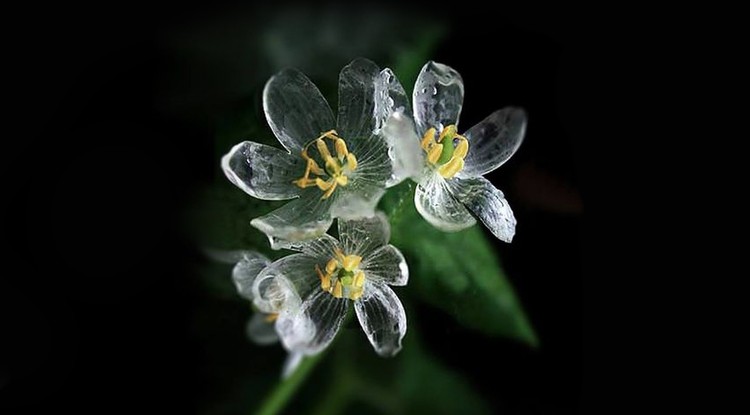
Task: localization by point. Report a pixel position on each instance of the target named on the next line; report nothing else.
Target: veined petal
(438, 96)
(390, 97)
(437, 205)
(315, 325)
(262, 171)
(295, 331)
(320, 248)
(260, 330)
(357, 101)
(365, 235)
(407, 157)
(295, 109)
(488, 204)
(284, 282)
(291, 364)
(386, 266)
(493, 141)
(382, 317)
(245, 271)
(301, 219)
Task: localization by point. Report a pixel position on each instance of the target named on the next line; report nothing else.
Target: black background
(97, 290)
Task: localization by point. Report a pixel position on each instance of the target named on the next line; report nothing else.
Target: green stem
(281, 395)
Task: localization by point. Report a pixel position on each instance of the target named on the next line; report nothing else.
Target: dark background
(111, 129)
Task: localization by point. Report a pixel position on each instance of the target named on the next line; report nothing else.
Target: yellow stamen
(351, 162)
(325, 280)
(336, 168)
(272, 317)
(359, 279)
(338, 290)
(452, 167)
(323, 149)
(449, 131)
(434, 154)
(428, 139)
(462, 148)
(351, 262)
(341, 150)
(331, 266)
(332, 134)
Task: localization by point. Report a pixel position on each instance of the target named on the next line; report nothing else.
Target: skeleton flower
(451, 165)
(280, 298)
(331, 273)
(331, 167)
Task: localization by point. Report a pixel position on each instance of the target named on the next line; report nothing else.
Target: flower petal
(365, 235)
(295, 331)
(263, 171)
(260, 330)
(386, 266)
(488, 204)
(493, 141)
(382, 317)
(407, 157)
(320, 248)
(291, 364)
(301, 219)
(245, 271)
(437, 205)
(357, 200)
(284, 282)
(314, 325)
(357, 101)
(438, 97)
(295, 109)
(390, 97)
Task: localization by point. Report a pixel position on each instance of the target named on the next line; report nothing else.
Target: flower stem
(281, 395)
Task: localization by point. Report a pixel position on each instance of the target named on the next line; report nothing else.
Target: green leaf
(458, 272)
(421, 375)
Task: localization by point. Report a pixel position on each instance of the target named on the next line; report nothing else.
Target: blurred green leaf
(421, 378)
(458, 272)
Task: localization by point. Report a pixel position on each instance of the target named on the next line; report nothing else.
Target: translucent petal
(245, 271)
(438, 96)
(282, 283)
(315, 325)
(260, 330)
(291, 364)
(365, 235)
(373, 164)
(386, 266)
(488, 204)
(263, 171)
(357, 101)
(358, 200)
(295, 109)
(301, 219)
(231, 256)
(320, 248)
(295, 330)
(407, 157)
(435, 203)
(390, 98)
(382, 317)
(493, 141)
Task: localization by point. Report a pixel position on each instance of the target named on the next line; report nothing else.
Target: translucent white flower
(330, 273)
(279, 297)
(331, 167)
(451, 190)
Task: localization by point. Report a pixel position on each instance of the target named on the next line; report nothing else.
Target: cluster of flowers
(339, 168)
